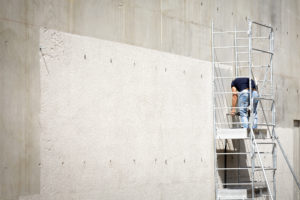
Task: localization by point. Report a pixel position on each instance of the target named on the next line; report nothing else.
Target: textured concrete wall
(180, 27)
(284, 179)
(122, 122)
(176, 26)
(19, 109)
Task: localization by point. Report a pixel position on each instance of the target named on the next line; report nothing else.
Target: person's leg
(255, 102)
(243, 104)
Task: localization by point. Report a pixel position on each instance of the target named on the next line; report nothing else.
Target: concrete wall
(19, 108)
(179, 27)
(122, 122)
(286, 136)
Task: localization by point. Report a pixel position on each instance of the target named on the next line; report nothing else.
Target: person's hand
(232, 112)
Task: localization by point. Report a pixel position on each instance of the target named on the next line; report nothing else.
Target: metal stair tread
(232, 193)
(239, 133)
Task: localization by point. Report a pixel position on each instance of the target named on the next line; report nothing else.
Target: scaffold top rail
(260, 24)
(224, 32)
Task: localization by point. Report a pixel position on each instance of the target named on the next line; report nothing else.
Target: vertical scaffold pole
(236, 53)
(213, 105)
(274, 151)
(251, 106)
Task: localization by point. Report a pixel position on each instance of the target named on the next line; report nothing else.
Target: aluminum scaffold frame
(227, 131)
(221, 104)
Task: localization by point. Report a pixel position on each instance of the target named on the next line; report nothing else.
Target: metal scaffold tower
(245, 159)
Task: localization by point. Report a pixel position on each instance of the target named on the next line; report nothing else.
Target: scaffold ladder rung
(231, 62)
(229, 47)
(223, 32)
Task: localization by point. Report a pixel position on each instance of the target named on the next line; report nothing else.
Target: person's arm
(234, 100)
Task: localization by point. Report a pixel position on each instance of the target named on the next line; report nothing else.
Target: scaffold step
(238, 133)
(232, 194)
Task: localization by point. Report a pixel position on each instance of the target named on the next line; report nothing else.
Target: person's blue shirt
(242, 83)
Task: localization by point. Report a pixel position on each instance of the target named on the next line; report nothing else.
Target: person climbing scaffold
(241, 96)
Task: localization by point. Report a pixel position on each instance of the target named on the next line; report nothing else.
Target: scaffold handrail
(263, 51)
(260, 24)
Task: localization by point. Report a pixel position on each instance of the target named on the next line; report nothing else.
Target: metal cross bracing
(245, 159)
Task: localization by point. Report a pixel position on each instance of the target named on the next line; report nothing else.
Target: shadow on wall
(233, 161)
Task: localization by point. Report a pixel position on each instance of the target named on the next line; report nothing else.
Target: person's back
(242, 83)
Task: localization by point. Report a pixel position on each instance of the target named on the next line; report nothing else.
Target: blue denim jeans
(244, 102)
